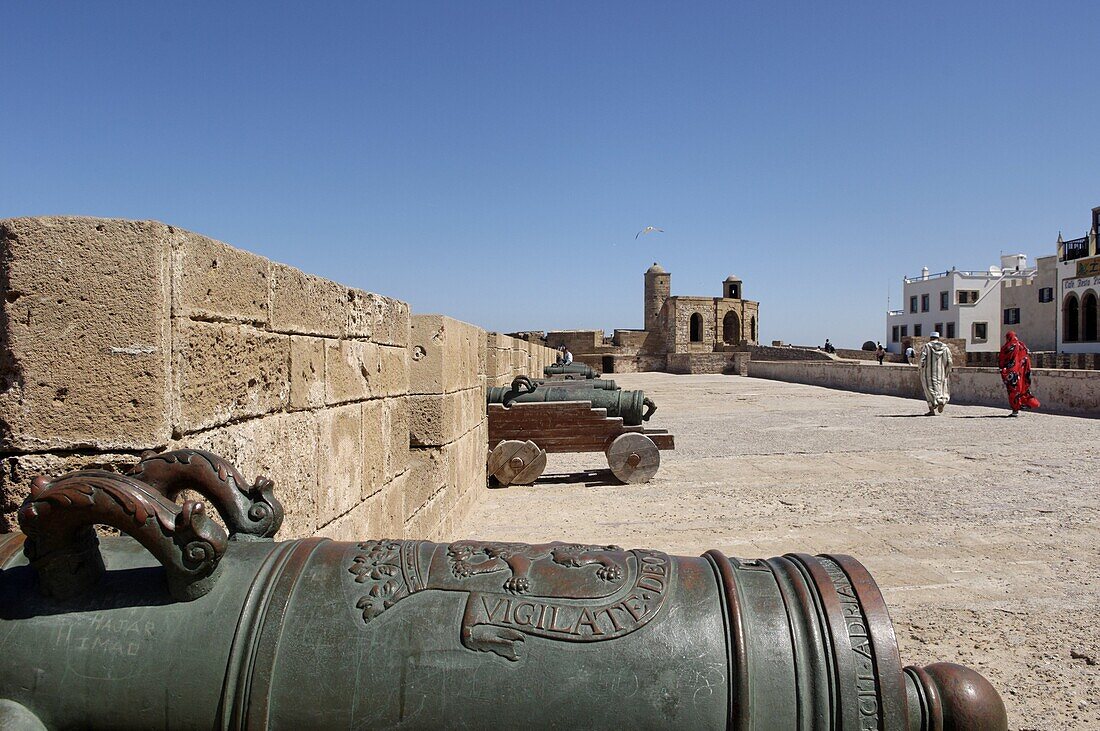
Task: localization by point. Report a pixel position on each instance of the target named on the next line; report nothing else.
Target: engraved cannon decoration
(318, 634)
(530, 419)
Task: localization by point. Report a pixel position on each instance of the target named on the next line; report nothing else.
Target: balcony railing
(1075, 249)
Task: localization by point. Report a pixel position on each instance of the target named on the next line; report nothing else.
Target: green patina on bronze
(398, 633)
(581, 369)
(632, 406)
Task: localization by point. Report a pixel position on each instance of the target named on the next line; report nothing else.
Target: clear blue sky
(494, 160)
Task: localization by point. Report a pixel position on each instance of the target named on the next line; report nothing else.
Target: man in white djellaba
(935, 370)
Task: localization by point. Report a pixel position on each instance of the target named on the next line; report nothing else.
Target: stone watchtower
(731, 288)
(658, 287)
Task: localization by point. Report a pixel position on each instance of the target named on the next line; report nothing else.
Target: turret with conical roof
(658, 287)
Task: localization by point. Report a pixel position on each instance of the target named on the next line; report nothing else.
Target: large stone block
(227, 372)
(423, 522)
(339, 461)
(361, 522)
(391, 320)
(459, 466)
(303, 304)
(288, 454)
(442, 354)
(17, 471)
(396, 423)
(392, 520)
(350, 366)
(84, 334)
(307, 372)
(282, 447)
(376, 438)
(439, 419)
(391, 372)
(214, 281)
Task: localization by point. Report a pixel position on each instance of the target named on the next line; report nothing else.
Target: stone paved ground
(983, 532)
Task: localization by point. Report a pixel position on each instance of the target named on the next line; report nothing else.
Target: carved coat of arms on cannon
(558, 591)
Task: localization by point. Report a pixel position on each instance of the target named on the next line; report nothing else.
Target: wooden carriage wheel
(633, 458)
(513, 462)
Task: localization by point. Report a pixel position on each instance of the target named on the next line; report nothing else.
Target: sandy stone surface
(982, 531)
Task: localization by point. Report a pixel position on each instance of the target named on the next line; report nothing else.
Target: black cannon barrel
(172, 626)
(581, 369)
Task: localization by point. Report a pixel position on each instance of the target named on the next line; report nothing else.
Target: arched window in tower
(752, 328)
(696, 328)
(731, 328)
(1070, 324)
(1088, 317)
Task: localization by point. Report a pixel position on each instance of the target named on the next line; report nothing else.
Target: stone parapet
(1071, 392)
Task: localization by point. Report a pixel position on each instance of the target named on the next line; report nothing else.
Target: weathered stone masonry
(122, 336)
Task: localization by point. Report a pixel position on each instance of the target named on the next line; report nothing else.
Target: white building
(1078, 288)
(957, 304)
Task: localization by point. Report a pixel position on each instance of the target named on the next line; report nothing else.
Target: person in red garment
(1015, 363)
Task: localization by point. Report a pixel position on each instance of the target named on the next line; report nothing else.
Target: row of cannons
(571, 410)
(179, 623)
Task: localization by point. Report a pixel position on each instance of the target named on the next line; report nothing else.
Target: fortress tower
(731, 288)
(658, 287)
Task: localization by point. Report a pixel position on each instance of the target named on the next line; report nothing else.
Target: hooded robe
(1015, 363)
(935, 367)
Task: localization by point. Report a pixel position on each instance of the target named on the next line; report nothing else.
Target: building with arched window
(674, 324)
(1078, 291)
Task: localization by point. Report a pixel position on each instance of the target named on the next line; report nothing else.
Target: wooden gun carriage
(521, 435)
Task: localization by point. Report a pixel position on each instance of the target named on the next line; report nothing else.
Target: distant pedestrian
(910, 354)
(935, 372)
(1015, 365)
(880, 353)
(567, 358)
(828, 347)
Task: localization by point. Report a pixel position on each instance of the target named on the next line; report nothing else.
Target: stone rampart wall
(771, 352)
(1072, 392)
(118, 337)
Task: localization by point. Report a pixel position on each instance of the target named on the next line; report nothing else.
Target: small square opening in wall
(938, 327)
(945, 299)
(950, 330)
(979, 332)
(918, 330)
(894, 334)
(1046, 294)
(1012, 316)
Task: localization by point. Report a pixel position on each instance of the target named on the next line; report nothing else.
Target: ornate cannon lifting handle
(61, 544)
(521, 385)
(251, 512)
(650, 408)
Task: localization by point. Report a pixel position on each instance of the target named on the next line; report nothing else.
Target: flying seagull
(649, 230)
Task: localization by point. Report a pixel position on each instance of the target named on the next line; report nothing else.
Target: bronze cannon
(181, 624)
(581, 370)
(605, 384)
(631, 406)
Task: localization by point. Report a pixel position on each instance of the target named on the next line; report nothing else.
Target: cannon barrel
(580, 369)
(632, 406)
(321, 634)
(605, 384)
